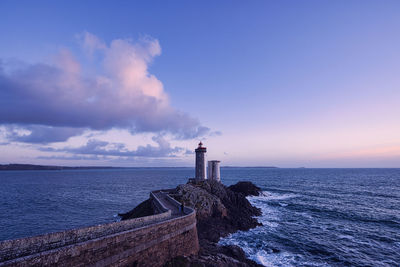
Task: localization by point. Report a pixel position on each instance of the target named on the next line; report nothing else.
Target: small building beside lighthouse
(200, 172)
(200, 162)
(213, 170)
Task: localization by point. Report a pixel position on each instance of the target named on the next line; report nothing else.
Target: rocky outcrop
(143, 209)
(246, 188)
(223, 256)
(206, 204)
(220, 211)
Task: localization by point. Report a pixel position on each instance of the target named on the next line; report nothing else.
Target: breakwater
(143, 241)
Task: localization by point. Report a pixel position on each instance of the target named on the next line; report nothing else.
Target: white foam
(346, 237)
(261, 256)
(276, 259)
(270, 215)
(286, 259)
(270, 218)
(265, 195)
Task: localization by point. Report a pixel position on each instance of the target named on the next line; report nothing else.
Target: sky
(260, 83)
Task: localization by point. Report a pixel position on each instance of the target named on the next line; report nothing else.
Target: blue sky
(285, 83)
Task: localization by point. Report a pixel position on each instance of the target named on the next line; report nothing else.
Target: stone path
(162, 196)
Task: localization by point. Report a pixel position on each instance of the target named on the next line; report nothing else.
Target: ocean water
(324, 217)
(38, 202)
(311, 217)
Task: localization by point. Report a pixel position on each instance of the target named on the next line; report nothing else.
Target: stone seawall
(145, 241)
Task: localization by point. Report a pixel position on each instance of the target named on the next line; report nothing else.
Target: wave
(252, 241)
(320, 227)
(267, 195)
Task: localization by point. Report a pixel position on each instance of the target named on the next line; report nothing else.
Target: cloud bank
(97, 148)
(110, 87)
(38, 134)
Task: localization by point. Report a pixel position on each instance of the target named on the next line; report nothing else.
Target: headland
(174, 227)
(220, 211)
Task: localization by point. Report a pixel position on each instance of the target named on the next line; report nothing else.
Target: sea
(311, 217)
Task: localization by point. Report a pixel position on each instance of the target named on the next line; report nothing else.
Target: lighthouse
(200, 162)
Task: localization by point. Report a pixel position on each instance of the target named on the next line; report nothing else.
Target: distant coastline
(33, 167)
(253, 167)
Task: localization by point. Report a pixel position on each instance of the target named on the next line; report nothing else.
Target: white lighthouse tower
(200, 162)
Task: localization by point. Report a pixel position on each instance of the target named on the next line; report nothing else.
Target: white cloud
(119, 92)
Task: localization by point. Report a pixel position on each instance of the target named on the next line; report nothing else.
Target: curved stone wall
(145, 241)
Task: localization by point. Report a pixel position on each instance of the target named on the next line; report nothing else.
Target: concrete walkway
(162, 196)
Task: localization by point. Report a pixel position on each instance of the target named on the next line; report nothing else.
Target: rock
(211, 260)
(238, 254)
(143, 209)
(246, 188)
(206, 204)
(220, 211)
(215, 221)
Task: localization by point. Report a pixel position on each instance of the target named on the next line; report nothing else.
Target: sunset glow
(264, 83)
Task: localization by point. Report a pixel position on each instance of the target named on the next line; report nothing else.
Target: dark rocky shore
(220, 211)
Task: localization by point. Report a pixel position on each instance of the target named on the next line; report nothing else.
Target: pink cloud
(119, 92)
